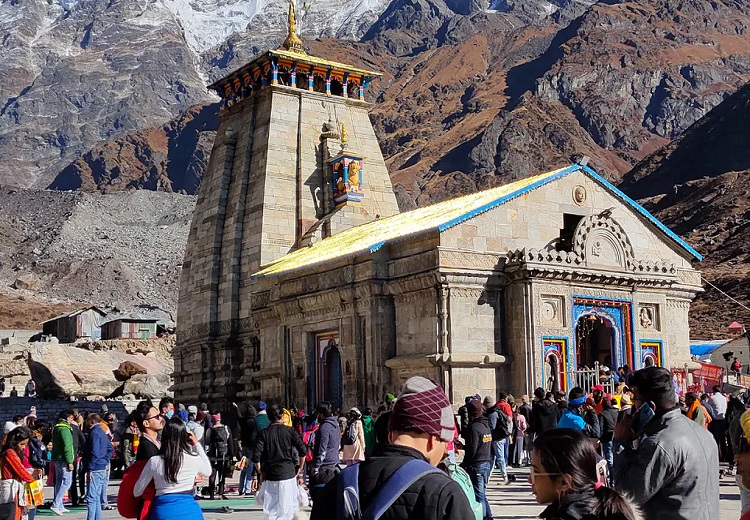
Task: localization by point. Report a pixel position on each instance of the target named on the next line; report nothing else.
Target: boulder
(28, 282)
(63, 371)
(144, 386)
(128, 369)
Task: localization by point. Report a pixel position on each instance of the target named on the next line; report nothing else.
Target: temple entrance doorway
(333, 377)
(596, 346)
(595, 340)
(326, 383)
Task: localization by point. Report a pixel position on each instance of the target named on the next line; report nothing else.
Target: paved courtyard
(513, 501)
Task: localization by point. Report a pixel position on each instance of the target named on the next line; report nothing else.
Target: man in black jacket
(420, 426)
(544, 412)
(279, 455)
(478, 454)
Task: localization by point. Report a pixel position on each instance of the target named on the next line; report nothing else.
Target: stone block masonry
(265, 187)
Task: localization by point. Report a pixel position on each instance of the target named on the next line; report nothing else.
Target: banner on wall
(706, 377)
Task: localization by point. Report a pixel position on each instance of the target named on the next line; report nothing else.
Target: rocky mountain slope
(123, 250)
(75, 73)
(699, 185)
(478, 92)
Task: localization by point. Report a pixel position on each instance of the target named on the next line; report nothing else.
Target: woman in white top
(173, 471)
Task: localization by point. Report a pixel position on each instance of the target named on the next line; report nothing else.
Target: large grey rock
(28, 282)
(144, 386)
(65, 370)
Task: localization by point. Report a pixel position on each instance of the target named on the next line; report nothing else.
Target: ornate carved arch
(601, 240)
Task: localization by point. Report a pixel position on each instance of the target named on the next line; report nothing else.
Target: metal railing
(587, 378)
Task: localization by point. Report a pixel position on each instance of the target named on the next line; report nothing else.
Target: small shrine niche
(347, 175)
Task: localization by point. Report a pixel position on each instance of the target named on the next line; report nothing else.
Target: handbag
(34, 494)
(9, 491)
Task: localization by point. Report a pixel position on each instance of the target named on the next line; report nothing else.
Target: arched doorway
(596, 339)
(554, 378)
(332, 376)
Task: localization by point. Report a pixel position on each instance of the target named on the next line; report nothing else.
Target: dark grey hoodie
(327, 444)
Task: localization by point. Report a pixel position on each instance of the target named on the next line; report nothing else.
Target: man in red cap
(420, 426)
(597, 392)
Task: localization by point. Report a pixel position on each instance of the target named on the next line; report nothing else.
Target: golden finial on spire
(293, 42)
(344, 137)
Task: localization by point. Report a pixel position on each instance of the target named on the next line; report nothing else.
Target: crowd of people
(643, 452)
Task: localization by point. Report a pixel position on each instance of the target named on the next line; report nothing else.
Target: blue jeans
(609, 457)
(105, 486)
(501, 454)
(246, 475)
(94, 494)
(63, 480)
(480, 476)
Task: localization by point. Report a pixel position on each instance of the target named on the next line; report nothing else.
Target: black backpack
(348, 438)
(36, 453)
(504, 425)
(220, 442)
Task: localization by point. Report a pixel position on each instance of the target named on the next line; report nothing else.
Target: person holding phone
(181, 458)
(666, 462)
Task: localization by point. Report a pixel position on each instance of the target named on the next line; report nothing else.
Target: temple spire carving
(293, 42)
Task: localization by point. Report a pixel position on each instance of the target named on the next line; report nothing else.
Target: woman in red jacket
(13, 470)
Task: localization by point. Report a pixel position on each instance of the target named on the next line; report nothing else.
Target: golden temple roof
(373, 235)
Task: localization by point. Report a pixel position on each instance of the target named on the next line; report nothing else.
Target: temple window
(284, 77)
(353, 89)
(319, 84)
(337, 88)
(570, 223)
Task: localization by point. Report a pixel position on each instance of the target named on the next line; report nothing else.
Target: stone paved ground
(511, 502)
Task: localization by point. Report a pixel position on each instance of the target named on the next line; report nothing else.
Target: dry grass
(26, 314)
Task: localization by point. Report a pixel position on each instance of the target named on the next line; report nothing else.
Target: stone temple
(302, 281)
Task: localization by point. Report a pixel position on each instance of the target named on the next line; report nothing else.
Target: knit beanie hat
(216, 417)
(475, 409)
(745, 423)
(262, 405)
(423, 406)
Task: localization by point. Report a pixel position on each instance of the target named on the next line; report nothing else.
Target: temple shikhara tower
(303, 282)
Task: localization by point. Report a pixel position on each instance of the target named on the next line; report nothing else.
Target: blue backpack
(348, 506)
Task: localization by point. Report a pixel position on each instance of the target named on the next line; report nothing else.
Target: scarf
(577, 403)
(693, 409)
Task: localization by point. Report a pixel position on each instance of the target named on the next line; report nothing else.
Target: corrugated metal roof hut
(131, 325)
(70, 326)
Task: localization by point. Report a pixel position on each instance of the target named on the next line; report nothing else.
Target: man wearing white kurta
(279, 473)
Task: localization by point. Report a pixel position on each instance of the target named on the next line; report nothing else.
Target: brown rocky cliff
(171, 158)
(699, 185)
(472, 98)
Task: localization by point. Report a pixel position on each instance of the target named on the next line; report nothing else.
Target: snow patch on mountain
(208, 23)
